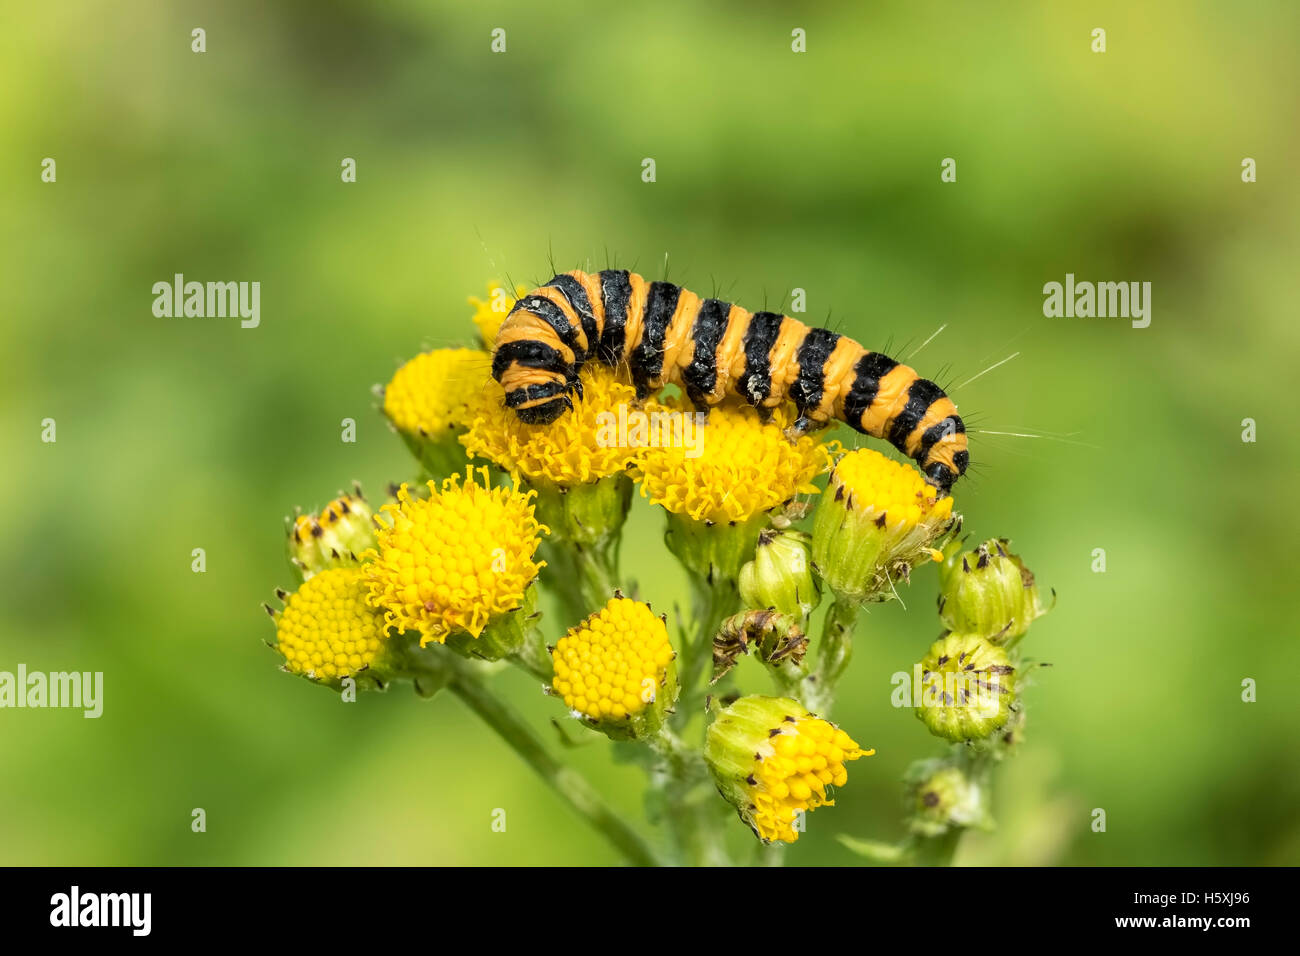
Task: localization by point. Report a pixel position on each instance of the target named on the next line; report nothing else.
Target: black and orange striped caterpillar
(668, 335)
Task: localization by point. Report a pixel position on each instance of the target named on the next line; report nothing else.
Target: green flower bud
(942, 796)
(773, 761)
(875, 522)
(968, 688)
(988, 591)
(344, 529)
(780, 576)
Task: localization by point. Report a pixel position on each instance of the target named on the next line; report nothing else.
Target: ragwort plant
(443, 579)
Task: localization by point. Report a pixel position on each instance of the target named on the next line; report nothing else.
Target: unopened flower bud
(988, 591)
(615, 670)
(941, 796)
(774, 761)
(968, 688)
(333, 539)
(877, 520)
(780, 576)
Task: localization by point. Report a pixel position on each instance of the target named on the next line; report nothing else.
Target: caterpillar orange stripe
(668, 335)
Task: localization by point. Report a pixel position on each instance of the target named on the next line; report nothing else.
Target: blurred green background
(775, 170)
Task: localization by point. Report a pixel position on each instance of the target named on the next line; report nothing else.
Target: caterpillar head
(545, 412)
(942, 475)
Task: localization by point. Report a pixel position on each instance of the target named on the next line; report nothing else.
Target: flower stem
(583, 577)
(565, 781)
(833, 654)
(712, 603)
(936, 851)
(683, 776)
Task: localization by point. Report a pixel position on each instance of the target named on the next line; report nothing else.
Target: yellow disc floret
(327, 631)
(877, 486)
(579, 447)
(806, 757)
(877, 521)
(433, 395)
(731, 468)
(614, 664)
(773, 760)
(456, 560)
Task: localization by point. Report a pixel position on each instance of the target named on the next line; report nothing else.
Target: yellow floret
(792, 772)
(577, 448)
(456, 560)
(435, 393)
(327, 631)
(877, 486)
(613, 664)
(735, 468)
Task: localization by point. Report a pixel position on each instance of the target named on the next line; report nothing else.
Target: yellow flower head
(878, 487)
(730, 469)
(456, 560)
(615, 664)
(433, 394)
(327, 631)
(490, 313)
(773, 760)
(877, 519)
(579, 447)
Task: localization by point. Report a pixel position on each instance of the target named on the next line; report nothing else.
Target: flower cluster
(445, 575)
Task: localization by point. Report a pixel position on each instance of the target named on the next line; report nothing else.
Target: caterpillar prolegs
(669, 335)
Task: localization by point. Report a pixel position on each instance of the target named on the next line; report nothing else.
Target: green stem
(712, 603)
(834, 652)
(683, 776)
(532, 656)
(565, 781)
(937, 851)
(586, 525)
(582, 577)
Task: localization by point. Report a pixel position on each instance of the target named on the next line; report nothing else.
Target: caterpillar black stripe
(668, 335)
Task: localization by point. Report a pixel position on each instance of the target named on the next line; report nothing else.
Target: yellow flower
(616, 666)
(489, 314)
(577, 448)
(456, 560)
(877, 519)
(876, 486)
(773, 761)
(730, 469)
(433, 395)
(327, 631)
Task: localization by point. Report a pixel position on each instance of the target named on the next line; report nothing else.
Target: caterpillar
(668, 335)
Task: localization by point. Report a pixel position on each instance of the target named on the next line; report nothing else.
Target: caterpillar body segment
(669, 335)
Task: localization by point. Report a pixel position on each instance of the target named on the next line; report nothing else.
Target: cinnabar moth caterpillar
(668, 335)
